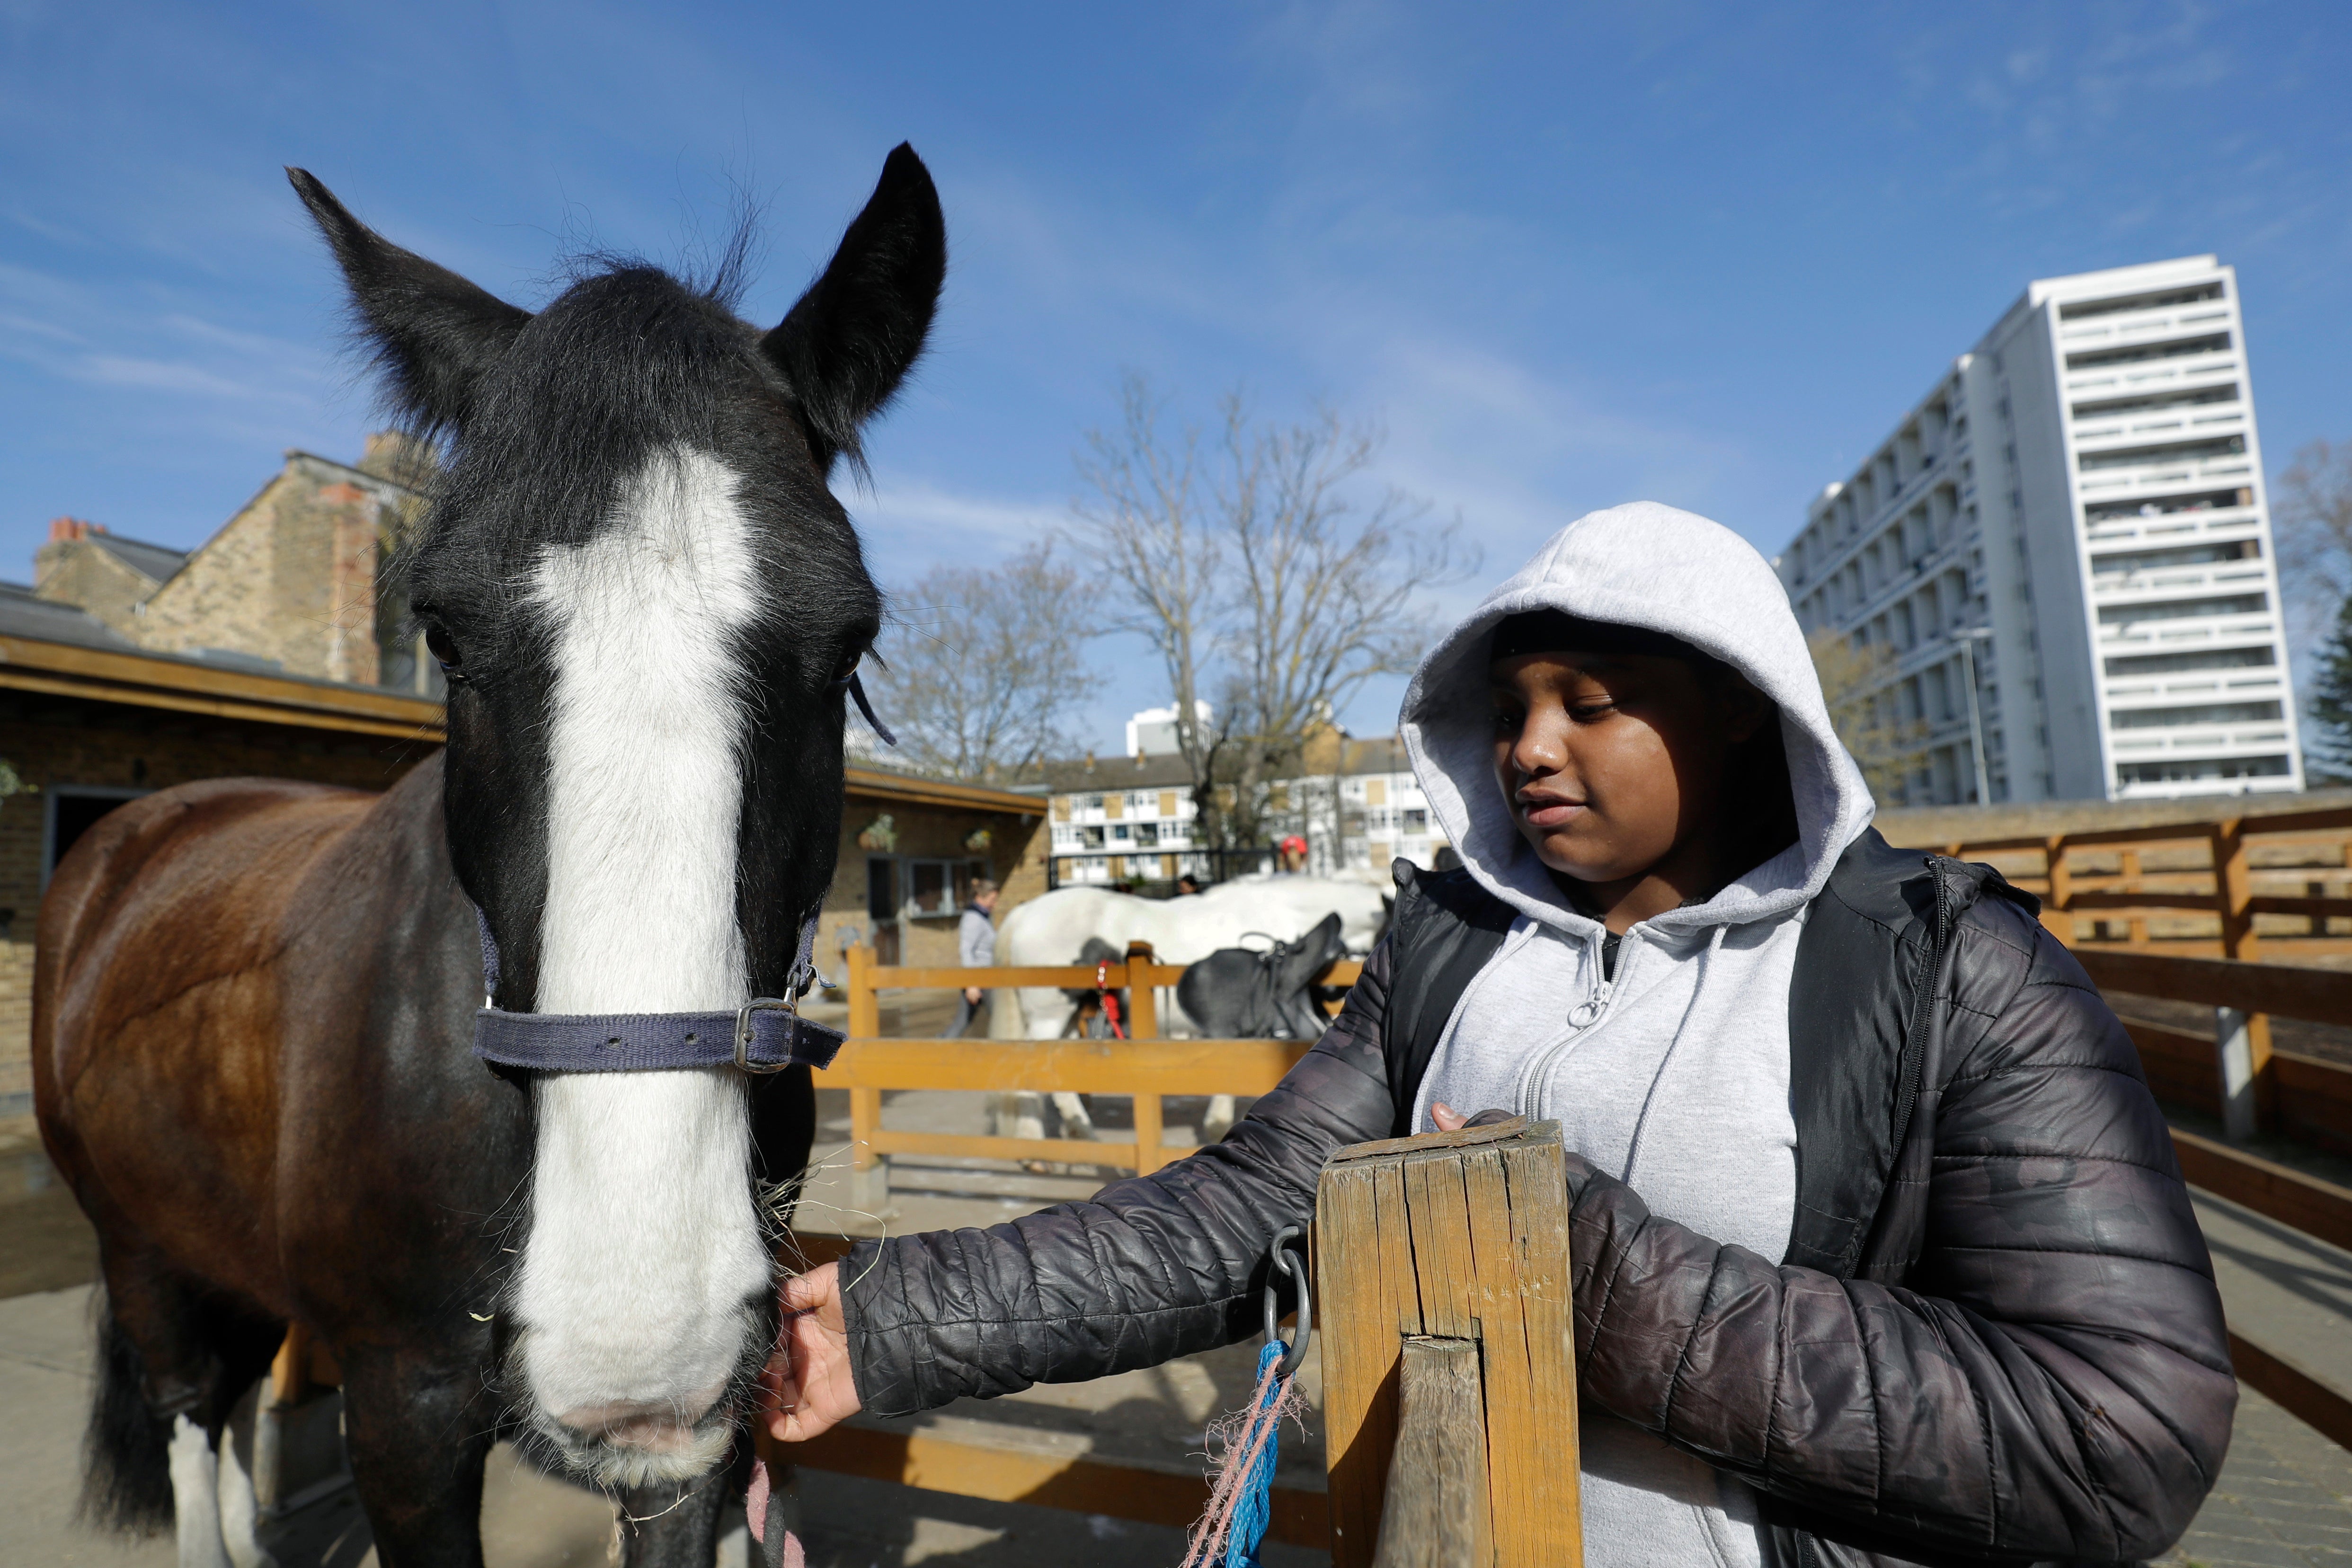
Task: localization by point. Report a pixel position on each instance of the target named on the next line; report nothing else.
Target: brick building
(296, 582)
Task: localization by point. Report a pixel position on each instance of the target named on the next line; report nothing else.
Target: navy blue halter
(765, 1035)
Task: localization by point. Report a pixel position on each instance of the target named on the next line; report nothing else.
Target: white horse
(1050, 931)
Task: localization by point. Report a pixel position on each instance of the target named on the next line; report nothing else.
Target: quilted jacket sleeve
(2053, 1383)
(1146, 1269)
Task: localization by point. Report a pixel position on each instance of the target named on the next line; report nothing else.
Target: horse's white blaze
(644, 1247)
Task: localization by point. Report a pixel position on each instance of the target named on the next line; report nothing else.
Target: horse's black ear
(852, 338)
(434, 334)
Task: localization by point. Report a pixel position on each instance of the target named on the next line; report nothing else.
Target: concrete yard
(2285, 1497)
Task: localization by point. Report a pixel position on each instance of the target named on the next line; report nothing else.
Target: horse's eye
(444, 649)
(847, 668)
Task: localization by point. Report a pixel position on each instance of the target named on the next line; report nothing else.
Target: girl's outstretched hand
(806, 1382)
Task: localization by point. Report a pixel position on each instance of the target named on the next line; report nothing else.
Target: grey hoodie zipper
(1582, 1020)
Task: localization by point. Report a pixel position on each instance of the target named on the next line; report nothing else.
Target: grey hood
(1672, 572)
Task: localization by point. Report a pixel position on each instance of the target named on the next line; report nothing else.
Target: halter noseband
(766, 1034)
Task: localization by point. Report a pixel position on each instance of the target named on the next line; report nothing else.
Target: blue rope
(1254, 1509)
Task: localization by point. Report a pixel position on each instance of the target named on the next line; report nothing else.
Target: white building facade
(2071, 529)
(1132, 820)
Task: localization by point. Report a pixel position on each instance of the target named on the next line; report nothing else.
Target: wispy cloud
(922, 525)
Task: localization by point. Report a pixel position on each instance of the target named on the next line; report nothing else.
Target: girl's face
(1612, 763)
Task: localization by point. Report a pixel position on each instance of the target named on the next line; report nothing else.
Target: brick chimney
(65, 530)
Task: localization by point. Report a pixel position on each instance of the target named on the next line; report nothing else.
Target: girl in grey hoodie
(1879, 1248)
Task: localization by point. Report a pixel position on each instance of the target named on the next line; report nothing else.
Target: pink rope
(1253, 1427)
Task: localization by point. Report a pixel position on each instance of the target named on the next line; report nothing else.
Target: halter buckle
(788, 1005)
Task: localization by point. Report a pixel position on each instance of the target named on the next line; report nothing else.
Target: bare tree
(2314, 518)
(1323, 591)
(1255, 566)
(979, 669)
(1867, 713)
(1151, 524)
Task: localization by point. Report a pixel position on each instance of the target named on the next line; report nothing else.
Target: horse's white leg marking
(240, 1507)
(644, 1247)
(195, 1497)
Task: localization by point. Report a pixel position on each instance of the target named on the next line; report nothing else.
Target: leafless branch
(982, 668)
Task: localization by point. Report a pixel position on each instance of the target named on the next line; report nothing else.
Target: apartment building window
(2168, 452)
(2166, 505)
(2150, 403)
(2172, 348)
(2202, 769)
(2083, 309)
(2203, 712)
(2116, 563)
(2180, 609)
(2175, 663)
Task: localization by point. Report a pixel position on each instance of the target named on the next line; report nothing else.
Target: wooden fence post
(1142, 998)
(1443, 1521)
(2242, 1042)
(2129, 860)
(870, 1176)
(1453, 1235)
(2062, 892)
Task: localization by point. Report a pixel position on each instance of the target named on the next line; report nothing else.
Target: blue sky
(1568, 256)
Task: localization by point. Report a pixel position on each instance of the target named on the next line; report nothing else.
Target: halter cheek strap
(765, 1035)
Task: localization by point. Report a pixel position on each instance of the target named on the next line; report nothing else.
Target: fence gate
(1449, 1379)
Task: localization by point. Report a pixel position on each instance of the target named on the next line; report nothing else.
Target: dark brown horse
(255, 1000)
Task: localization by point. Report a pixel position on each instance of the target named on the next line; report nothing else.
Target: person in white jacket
(975, 950)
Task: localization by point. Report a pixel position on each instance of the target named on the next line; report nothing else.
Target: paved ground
(2285, 1497)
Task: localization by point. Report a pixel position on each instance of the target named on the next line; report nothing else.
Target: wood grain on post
(865, 1006)
(2129, 862)
(1436, 1515)
(1142, 1002)
(2060, 924)
(2233, 886)
(1455, 1235)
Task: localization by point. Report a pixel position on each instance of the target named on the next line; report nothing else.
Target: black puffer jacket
(1994, 1335)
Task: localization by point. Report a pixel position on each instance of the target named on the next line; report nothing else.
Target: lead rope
(1241, 1504)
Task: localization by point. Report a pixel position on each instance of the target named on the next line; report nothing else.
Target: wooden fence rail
(2216, 877)
(1144, 1066)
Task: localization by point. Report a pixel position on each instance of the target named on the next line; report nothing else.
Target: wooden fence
(1145, 1065)
(2230, 871)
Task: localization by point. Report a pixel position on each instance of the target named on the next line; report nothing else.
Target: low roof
(883, 784)
(24, 613)
(55, 650)
(34, 658)
(156, 562)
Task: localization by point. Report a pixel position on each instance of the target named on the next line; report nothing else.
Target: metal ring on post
(1280, 1255)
